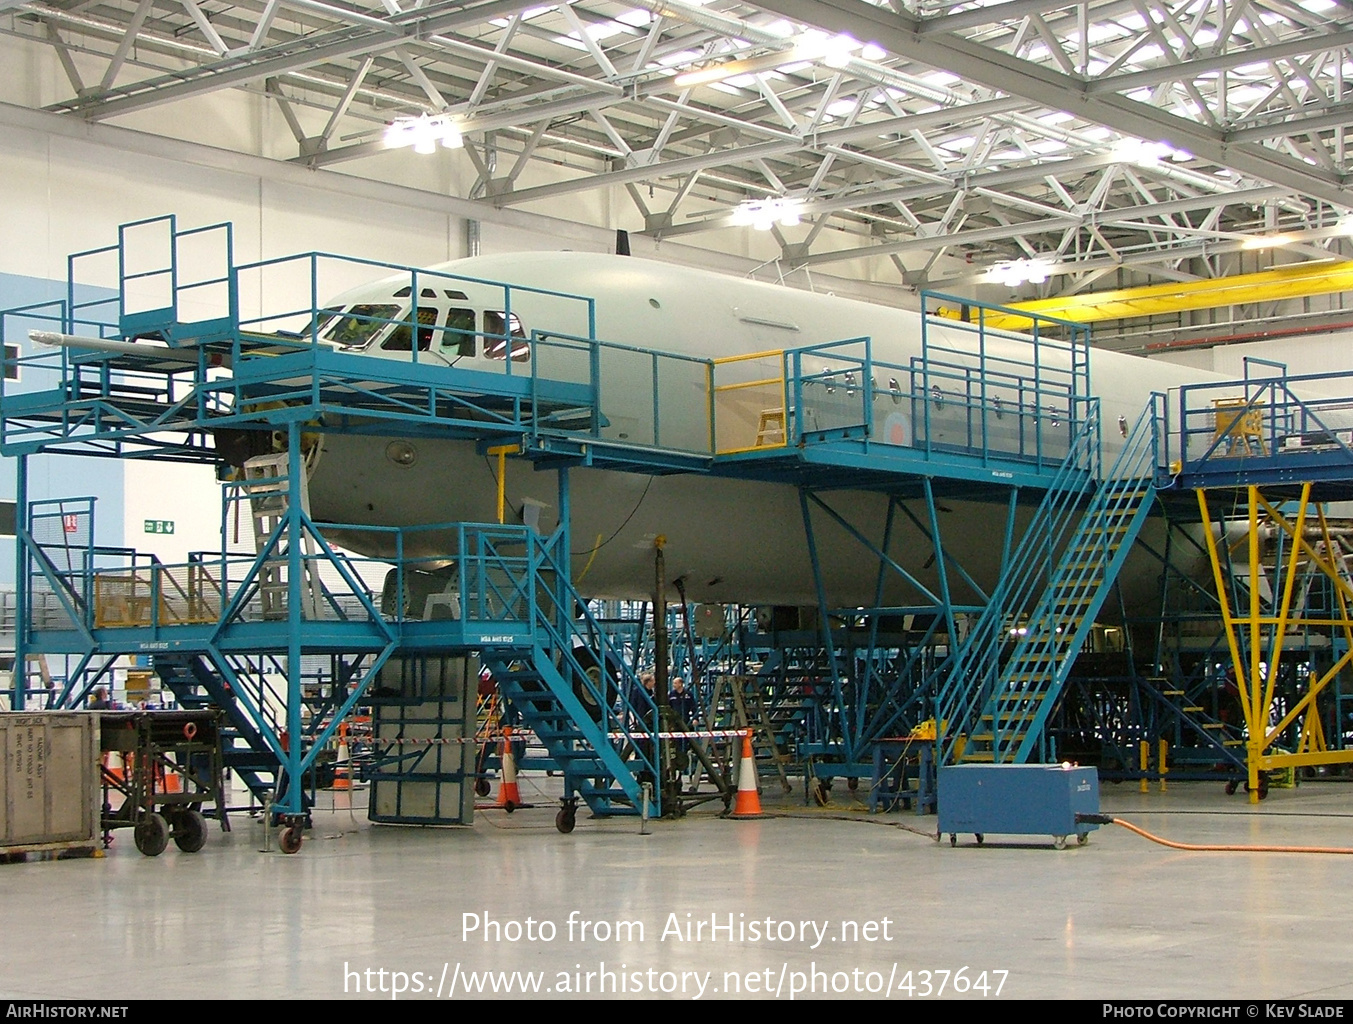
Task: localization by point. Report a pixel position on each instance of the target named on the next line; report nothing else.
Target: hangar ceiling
(1163, 137)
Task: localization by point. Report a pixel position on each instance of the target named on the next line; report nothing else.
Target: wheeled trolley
(170, 767)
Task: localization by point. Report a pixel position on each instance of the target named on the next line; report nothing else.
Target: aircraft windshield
(361, 323)
(495, 336)
(460, 331)
(401, 337)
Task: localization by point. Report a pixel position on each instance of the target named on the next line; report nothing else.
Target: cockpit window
(361, 323)
(495, 336)
(323, 319)
(400, 337)
(459, 333)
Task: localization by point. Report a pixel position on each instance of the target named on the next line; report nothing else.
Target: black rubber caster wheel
(852, 784)
(190, 832)
(980, 838)
(290, 839)
(564, 821)
(482, 787)
(151, 835)
(953, 839)
(1232, 786)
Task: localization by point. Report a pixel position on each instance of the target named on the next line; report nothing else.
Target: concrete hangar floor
(803, 900)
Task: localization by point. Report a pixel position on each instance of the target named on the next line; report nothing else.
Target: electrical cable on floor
(1246, 813)
(1106, 819)
(834, 816)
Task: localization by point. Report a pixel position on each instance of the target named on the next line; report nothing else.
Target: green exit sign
(159, 526)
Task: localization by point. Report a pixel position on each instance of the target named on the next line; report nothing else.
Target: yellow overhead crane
(1291, 282)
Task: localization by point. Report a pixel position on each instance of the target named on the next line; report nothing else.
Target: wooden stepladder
(750, 711)
(770, 428)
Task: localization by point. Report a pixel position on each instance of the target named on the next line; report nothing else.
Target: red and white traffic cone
(748, 804)
(509, 796)
(342, 776)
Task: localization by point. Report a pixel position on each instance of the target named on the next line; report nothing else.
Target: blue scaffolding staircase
(996, 697)
(571, 686)
(607, 775)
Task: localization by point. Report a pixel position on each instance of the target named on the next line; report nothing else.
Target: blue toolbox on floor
(1018, 799)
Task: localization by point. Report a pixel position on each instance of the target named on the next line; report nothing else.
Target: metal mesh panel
(122, 599)
(188, 593)
(63, 528)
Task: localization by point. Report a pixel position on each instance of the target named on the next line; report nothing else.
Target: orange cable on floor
(1220, 848)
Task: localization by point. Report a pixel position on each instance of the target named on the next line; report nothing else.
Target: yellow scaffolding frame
(1267, 633)
(723, 401)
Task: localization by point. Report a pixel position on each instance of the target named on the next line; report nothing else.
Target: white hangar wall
(1301, 354)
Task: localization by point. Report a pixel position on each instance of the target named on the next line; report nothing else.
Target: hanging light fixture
(1013, 273)
(423, 133)
(762, 214)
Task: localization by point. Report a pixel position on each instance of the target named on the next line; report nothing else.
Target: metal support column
(290, 801)
(19, 679)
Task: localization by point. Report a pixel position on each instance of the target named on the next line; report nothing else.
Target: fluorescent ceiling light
(939, 78)
(762, 214)
(1145, 154)
(1013, 273)
(1266, 241)
(423, 133)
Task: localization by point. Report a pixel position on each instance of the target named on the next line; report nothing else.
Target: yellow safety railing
(749, 413)
(171, 595)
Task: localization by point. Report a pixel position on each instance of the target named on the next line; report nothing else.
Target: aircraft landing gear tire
(289, 841)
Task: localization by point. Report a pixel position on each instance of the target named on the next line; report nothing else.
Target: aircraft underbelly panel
(732, 541)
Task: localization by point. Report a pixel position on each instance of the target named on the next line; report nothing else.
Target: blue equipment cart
(1018, 799)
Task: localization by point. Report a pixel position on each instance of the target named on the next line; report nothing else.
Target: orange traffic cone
(342, 779)
(748, 804)
(509, 797)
